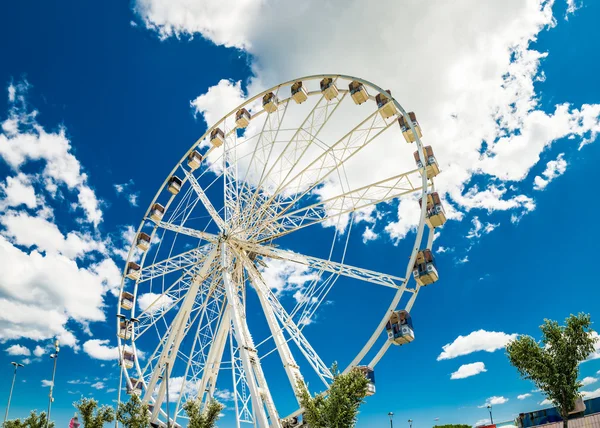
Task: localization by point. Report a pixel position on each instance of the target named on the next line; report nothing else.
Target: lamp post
(410, 423)
(17, 365)
(50, 398)
(127, 322)
(489, 407)
(391, 415)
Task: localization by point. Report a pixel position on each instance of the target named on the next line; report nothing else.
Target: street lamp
(489, 407)
(50, 398)
(17, 365)
(410, 423)
(391, 415)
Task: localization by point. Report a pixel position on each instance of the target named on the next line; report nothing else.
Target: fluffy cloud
(284, 276)
(18, 350)
(523, 396)
(39, 351)
(546, 402)
(589, 380)
(591, 394)
(596, 353)
(472, 87)
(46, 383)
(98, 385)
(468, 370)
(480, 228)
(480, 340)
(100, 350)
(494, 401)
(157, 301)
(553, 169)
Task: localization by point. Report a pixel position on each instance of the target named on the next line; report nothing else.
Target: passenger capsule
(399, 328)
(174, 185)
(270, 102)
(126, 300)
(385, 105)
(435, 215)
(242, 118)
(135, 387)
(157, 212)
(370, 375)
(125, 330)
(328, 88)
(217, 137)
(405, 127)
(143, 241)
(133, 271)
(194, 159)
(358, 92)
(432, 168)
(128, 359)
(299, 93)
(424, 270)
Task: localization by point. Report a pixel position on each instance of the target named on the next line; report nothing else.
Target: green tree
(339, 408)
(14, 423)
(93, 416)
(134, 413)
(553, 364)
(206, 418)
(32, 421)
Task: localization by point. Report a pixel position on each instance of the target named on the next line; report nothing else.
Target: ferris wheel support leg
(261, 396)
(289, 363)
(173, 342)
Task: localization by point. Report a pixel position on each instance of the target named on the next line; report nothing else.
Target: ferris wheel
(296, 167)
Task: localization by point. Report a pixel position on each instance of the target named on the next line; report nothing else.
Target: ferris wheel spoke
(351, 201)
(184, 260)
(188, 231)
(205, 201)
(325, 265)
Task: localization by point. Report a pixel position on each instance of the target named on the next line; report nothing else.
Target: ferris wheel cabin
(126, 300)
(270, 102)
(217, 137)
(424, 270)
(125, 330)
(135, 387)
(358, 92)
(157, 212)
(385, 105)
(431, 168)
(328, 88)
(174, 185)
(133, 270)
(128, 359)
(399, 328)
(242, 118)
(370, 375)
(194, 159)
(435, 215)
(143, 241)
(299, 93)
(405, 127)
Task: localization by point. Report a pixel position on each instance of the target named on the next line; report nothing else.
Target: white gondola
(126, 300)
(425, 271)
(217, 137)
(194, 160)
(435, 215)
(328, 88)
(270, 102)
(299, 93)
(128, 359)
(406, 131)
(143, 241)
(157, 212)
(400, 328)
(125, 330)
(358, 92)
(133, 271)
(135, 387)
(242, 118)
(174, 185)
(370, 375)
(385, 105)
(431, 168)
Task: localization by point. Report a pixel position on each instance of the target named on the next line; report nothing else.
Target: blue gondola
(400, 328)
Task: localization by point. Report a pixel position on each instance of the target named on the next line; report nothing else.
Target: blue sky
(118, 95)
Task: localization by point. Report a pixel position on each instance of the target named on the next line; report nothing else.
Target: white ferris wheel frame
(255, 405)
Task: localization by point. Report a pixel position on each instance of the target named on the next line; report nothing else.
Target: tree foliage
(553, 364)
(32, 421)
(93, 416)
(339, 408)
(206, 418)
(134, 413)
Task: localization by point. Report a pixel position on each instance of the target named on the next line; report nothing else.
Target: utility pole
(410, 423)
(391, 415)
(50, 398)
(489, 406)
(17, 365)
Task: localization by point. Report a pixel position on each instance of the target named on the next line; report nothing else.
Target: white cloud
(46, 383)
(369, 235)
(596, 353)
(468, 370)
(286, 277)
(588, 380)
(125, 189)
(17, 191)
(479, 340)
(462, 261)
(157, 301)
(494, 401)
(100, 350)
(39, 351)
(482, 422)
(224, 395)
(98, 385)
(554, 168)
(18, 350)
(546, 402)
(109, 390)
(523, 396)
(591, 394)
(480, 228)
(218, 100)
